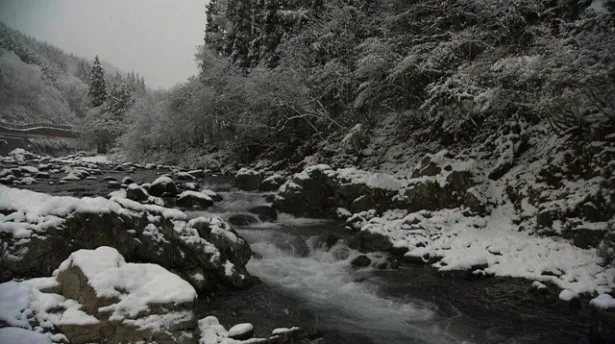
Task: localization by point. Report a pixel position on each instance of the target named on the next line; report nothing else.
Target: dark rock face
(272, 183)
(163, 187)
(136, 193)
(307, 194)
(201, 246)
(248, 180)
(361, 261)
(265, 213)
(242, 219)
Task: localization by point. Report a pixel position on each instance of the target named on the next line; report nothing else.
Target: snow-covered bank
(492, 245)
(456, 213)
(40, 230)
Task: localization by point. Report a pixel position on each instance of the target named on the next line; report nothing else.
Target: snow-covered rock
(603, 301)
(136, 193)
(241, 331)
(213, 195)
(130, 301)
(127, 180)
(39, 231)
(272, 183)
(163, 186)
(184, 176)
(194, 199)
(16, 335)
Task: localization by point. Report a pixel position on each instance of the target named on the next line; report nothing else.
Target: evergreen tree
(98, 87)
(214, 29)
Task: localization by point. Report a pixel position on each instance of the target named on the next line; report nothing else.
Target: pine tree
(98, 87)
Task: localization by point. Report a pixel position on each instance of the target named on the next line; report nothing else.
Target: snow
(137, 286)
(163, 180)
(195, 194)
(465, 241)
(603, 301)
(23, 305)
(214, 333)
(240, 329)
(370, 179)
(97, 159)
(567, 295)
(284, 330)
(538, 286)
(14, 335)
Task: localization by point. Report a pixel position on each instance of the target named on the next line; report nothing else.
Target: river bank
(308, 279)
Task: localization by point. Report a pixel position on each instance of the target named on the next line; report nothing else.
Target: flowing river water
(308, 281)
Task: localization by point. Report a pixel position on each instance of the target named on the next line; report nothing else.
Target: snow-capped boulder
(42, 175)
(163, 186)
(308, 193)
(29, 169)
(272, 183)
(319, 190)
(127, 180)
(40, 231)
(131, 301)
(196, 173)
(136, 193)
(113, 184)
(184, 176)
(190, 186)
(241, 331)
(248, 179)
(193, 199)
(441, 182)
(213, 195)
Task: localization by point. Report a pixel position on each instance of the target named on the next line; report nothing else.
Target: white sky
(156, 38)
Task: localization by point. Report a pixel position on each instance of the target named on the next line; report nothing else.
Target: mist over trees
(279, 74)
(41, 84)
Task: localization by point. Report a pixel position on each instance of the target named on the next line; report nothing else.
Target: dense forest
(281, 74)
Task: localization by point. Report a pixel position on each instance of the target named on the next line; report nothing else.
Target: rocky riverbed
(327, 277)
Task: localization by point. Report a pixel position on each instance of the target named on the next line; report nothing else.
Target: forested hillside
(276, 75)
(40, 83)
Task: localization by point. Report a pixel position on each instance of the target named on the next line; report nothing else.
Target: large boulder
(248, 179)
(131, 302)
(309, 193)
(163, 186)
(319, 190)
(272, 183)
(440, 182)
(194, 199)
(40, 231)
(136, 193)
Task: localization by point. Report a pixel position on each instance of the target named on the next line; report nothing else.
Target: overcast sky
(156, 38)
